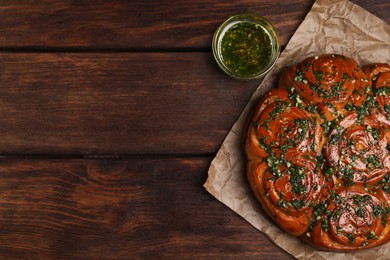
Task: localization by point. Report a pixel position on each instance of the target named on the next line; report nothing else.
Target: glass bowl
(246, 46)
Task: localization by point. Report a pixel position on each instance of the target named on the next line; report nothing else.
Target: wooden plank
(115, 209)
(93, 103)
(142, 24)
(133, 24)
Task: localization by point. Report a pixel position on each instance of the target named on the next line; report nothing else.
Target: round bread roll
(318, 153)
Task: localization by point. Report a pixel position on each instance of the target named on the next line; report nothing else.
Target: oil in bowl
(246, 46)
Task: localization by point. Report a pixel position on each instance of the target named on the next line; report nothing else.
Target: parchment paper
(331, 26)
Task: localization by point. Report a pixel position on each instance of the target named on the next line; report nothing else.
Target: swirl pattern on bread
(318, 153)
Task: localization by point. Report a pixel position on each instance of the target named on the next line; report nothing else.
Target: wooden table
(110, 114)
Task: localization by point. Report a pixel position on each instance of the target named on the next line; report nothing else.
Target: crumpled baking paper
(331, 26)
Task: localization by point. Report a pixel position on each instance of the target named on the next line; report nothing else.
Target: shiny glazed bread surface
(317, 150)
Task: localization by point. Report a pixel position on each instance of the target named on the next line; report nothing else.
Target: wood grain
(94, 103)
(133, 24)
(142, 24)
(116, 209)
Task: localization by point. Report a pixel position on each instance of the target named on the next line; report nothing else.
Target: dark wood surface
(110, 115)
(127, 103)
(149, 207)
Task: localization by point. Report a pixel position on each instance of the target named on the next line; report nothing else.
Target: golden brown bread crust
(317, 151)
(327, 81)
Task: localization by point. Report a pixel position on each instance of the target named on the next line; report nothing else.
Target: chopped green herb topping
(348, 173)
(364, 110)
(373, 162)
(334, 109)
(377, 211)
(358, 200)
(307, 64)
(298, 204)
(280, 107)
(297, 175)
(337, 214)
(246, 48)
(282, 203)
(382, 91)
(300, 76)
(386, 183)
(295, 98)
(318, 75)
(371, 235)
(387, 108)
(312, 109)
(351, 238)
(263, 144)
(327, 126)
(319, 210)
(384, 213)
(335, 139)
(346, 76)
(375, 132)
(274, 165)
(329, 172)
(302, 126)
(350, 107)
(325, 221)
